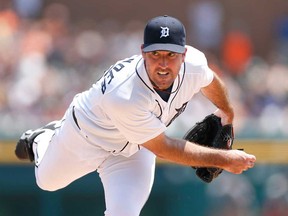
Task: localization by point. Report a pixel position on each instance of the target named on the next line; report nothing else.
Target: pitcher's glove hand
(210, 132)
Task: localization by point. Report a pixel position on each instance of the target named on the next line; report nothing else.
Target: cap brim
(165, 47)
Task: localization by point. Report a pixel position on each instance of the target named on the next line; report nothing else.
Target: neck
(164, 93)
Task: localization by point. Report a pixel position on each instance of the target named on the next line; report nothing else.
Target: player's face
(163, 67)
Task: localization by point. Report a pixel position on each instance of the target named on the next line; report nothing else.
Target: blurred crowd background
(49, 51)
(52, 49)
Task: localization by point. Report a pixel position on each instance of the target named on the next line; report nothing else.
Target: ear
(184, 55)
(142, 46)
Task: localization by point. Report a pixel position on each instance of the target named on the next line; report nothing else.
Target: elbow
(159, 146)
(160, 154)
(158, 151)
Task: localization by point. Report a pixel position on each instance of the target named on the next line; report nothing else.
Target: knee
(47, 183)
(124, 205)
(121, 210)
(47, 186)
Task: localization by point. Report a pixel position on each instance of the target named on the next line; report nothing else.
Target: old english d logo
(164, 32)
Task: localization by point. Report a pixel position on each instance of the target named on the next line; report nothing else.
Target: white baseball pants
(62, 156)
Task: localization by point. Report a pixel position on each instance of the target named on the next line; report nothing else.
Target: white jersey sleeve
(197, 67)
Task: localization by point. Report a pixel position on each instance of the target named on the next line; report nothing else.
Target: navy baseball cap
(164, 33)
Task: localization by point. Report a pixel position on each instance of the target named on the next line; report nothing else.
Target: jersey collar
(142, 74)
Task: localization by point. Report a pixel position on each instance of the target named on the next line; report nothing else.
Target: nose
(163, 62)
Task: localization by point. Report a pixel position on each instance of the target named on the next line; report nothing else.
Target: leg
(24, 147)
(127, 182)
(61, 154)
(65, 158)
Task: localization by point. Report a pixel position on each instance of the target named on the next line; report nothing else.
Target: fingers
(250, 165)
(242, 162)
(250, 162)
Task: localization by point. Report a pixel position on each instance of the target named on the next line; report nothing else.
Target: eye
(172, 54)
(155, 53)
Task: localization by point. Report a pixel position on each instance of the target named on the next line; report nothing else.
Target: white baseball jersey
(122, 110)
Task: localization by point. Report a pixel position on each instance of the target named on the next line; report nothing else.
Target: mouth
(162, 73)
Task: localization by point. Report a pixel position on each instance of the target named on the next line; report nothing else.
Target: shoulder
(118, 74)
(127, 92)
(127, 64)
(196, 67)
(195, 57)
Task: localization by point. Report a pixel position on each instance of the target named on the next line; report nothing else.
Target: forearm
(217, 93)
(195, 155)
(189, 154)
